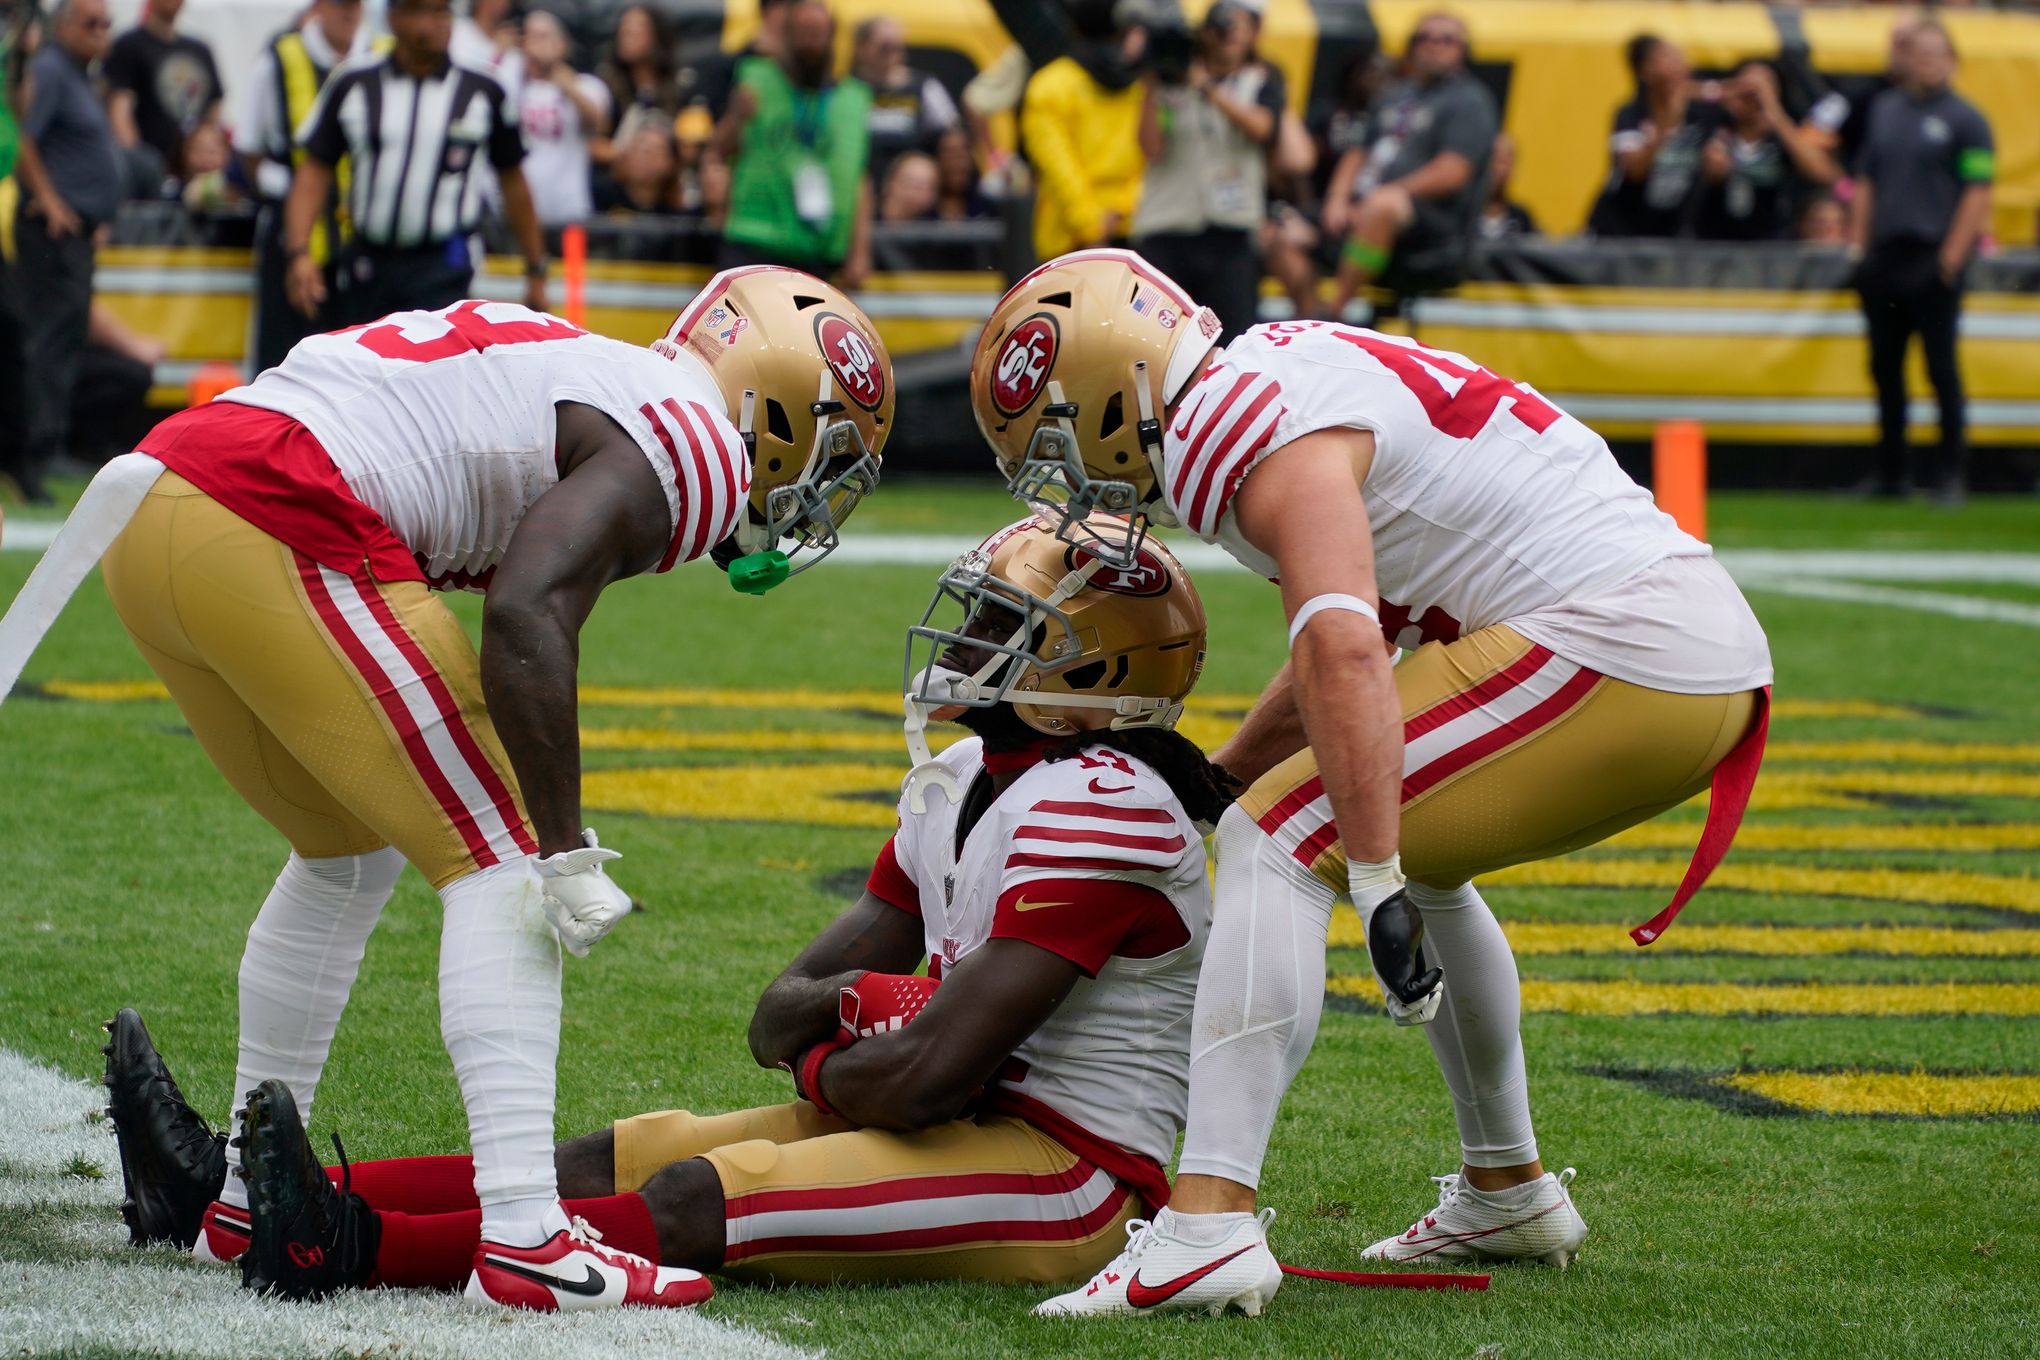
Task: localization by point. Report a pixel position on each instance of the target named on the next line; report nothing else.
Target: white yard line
(1927, 601)
(161, 1303)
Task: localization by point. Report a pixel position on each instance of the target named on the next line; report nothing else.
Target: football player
(274, 554)
(1574, 664)
(1005, 1117)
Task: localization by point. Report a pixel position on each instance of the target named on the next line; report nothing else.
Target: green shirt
(802, 149)
(10, 131)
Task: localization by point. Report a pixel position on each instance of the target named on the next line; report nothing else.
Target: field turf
(1807, 1123)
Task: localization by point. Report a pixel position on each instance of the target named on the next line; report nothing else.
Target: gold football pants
(1511, 753)
(809, 1199)
(348, 712)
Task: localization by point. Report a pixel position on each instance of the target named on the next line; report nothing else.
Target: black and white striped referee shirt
(415, 144)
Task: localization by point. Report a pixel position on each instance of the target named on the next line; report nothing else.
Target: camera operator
(1211, 113)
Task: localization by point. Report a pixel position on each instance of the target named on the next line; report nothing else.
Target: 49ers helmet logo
(1024, 363)
(1147, 577)
(853, 359)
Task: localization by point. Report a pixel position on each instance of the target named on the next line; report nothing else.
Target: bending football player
(1576, 665)
(274, 556)
(1004, 1118)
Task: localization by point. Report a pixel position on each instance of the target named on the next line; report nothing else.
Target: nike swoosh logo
(1097, 786)
(589, 1286)
(1147, 1296)
(1024, 905)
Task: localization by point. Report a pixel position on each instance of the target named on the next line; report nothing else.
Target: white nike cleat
(571, 1270)
(1475, 1225)
(1161, 1273)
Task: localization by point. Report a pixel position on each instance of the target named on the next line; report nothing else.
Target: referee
(413, 127)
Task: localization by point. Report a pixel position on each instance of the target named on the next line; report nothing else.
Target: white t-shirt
(1093, 859)
(1487, 505)
(443, 424)
(556, 160)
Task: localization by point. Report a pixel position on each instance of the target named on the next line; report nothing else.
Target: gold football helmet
(809, 385)
(1069, 383)
(1073, 642)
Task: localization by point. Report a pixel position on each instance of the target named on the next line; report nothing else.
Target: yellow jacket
(1084, 143)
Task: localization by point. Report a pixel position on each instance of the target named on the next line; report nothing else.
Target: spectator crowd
(1133, 126)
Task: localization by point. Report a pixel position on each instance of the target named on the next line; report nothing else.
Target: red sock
(624, 1221)
(416, 1185)
(427, 1251)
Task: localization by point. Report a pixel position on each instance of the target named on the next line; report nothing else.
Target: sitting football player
(275, 554)
(1004, 1118)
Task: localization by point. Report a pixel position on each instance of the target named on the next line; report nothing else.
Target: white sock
(525, 1222)
(1513, 1194)
(1259, 998)
(1201, 1230)
(303, 952)
(499, 1012)
(1477, 1037)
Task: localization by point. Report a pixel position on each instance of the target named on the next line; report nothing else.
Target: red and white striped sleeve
(1092, 836)
(1224, 426)
(711, 476)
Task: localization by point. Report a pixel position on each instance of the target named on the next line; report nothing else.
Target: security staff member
(1923, 202)
(414, 127)
(279, 97)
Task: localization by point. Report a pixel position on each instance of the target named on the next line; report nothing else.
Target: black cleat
(308, 1239)
(171, 1162)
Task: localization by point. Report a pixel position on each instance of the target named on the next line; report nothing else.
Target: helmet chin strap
(928, 771)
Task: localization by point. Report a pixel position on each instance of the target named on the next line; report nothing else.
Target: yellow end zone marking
(106, 691)
(1587, 937)
(1927, 1094)
(1908, 752)
(1966, 838)
(1617, 997)
(792, 742)
(819, 794)
(1891, 885)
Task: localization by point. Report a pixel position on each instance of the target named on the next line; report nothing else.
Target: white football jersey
(1115, 1057)
(443, 424)
(1486, 502)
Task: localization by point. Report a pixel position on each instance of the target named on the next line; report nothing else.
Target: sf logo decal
(1023, 365)
(854, 360)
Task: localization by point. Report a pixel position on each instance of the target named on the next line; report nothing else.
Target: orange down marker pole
(574, 270)
(1678, 474)
(211, 380)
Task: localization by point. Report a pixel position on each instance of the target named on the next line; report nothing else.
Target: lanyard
(808, 110)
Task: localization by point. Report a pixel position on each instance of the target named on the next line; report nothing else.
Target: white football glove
(583, 902)
(1394, 930)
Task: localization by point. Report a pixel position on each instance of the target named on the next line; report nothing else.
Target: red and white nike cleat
(571, 1270)
(222, 1234)
(1536, 1222)
(1160, 1272)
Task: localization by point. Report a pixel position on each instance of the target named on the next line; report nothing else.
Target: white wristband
(1317, 604)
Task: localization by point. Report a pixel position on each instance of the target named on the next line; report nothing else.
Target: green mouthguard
(756, 573)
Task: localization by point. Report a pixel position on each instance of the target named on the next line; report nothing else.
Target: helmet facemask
(1014, 639)
(810, 509)
(1053, 482)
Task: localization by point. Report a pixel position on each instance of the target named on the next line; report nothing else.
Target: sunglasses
(1451, 38)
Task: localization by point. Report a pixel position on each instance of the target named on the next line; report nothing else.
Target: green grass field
(1807, 1123)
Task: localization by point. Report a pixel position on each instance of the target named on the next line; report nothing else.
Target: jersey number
(467, 331)
(1459, 398)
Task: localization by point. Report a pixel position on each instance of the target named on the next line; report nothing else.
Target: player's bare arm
(1303, 508)
(926, 1073)
(802, 1006)
(605, 520)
